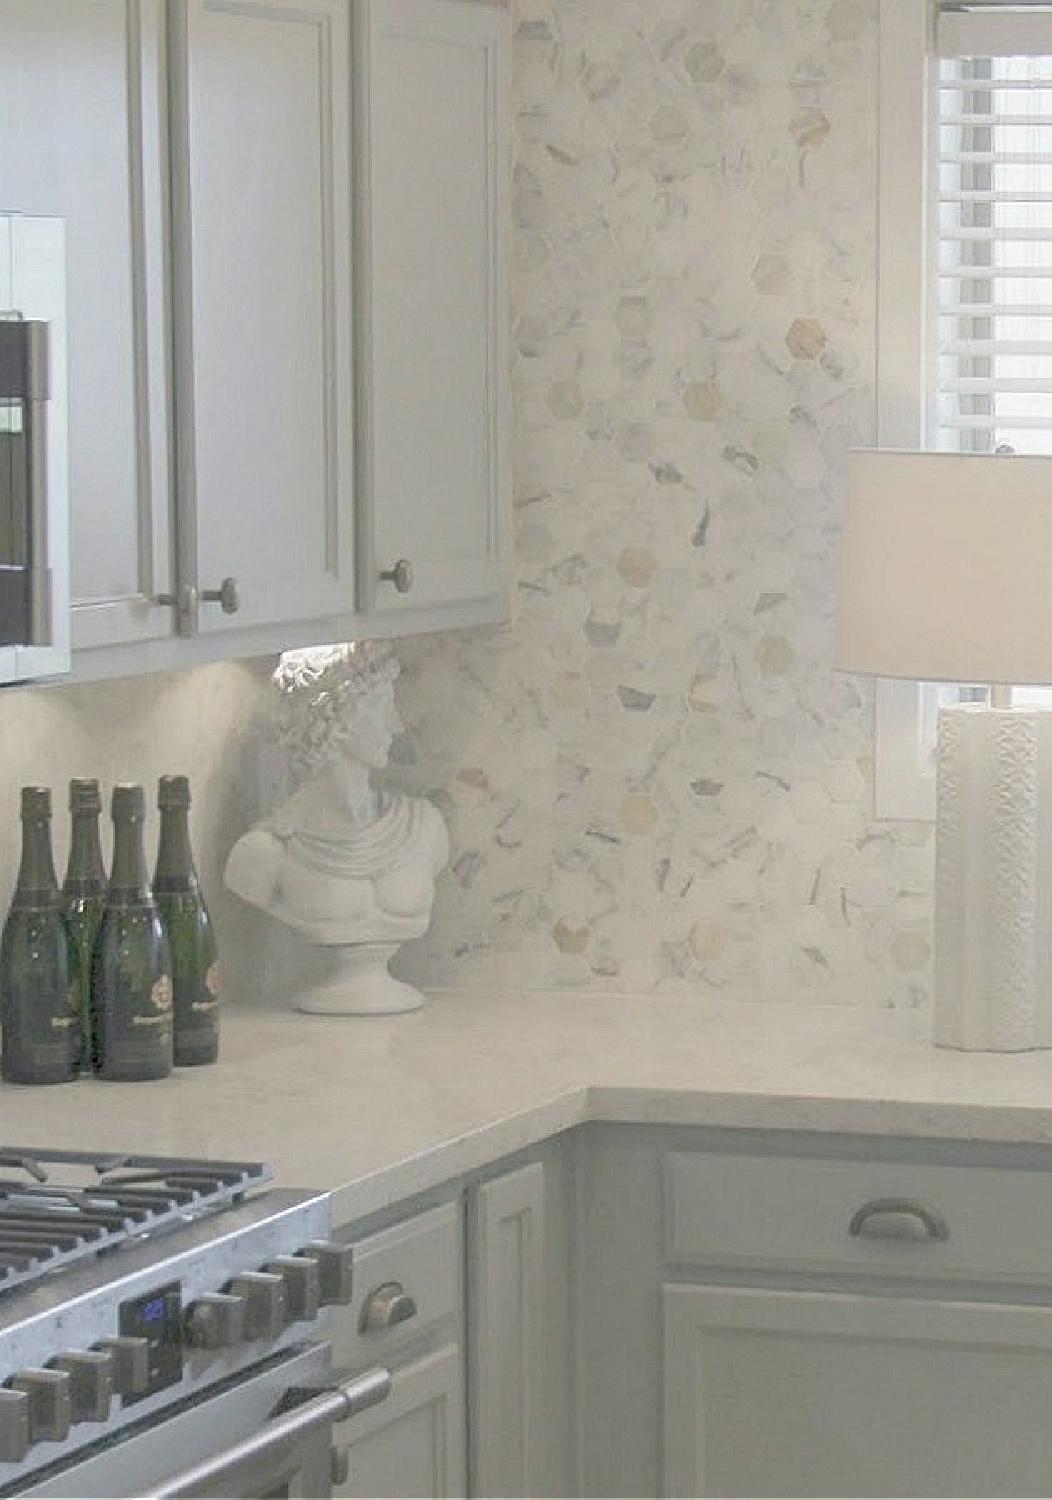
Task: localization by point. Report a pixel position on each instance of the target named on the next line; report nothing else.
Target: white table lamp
(947, 576)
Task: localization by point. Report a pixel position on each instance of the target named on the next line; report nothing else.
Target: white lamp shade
(946, 567)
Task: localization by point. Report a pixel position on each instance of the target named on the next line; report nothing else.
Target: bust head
(337, 702)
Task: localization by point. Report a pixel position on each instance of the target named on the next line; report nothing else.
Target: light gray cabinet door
(412, 1444)
(262, 296)
(433, 394)
(771, 1392)
(506, 1277)
(82, 137)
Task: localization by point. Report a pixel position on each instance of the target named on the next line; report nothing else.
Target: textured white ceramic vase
(993, 880)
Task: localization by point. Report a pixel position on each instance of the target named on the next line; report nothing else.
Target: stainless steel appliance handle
(335, 1403)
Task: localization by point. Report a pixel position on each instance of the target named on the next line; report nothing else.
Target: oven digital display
(157, 1317)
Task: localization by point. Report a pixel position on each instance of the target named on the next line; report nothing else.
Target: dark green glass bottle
(83, 899)
(131, 968)
(191, 936)
(38, 1016)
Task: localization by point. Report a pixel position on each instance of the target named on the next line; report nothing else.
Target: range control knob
(264, 1297)
(130, 1369)
(14, 1426)
(215, 1320)
(90, 1374)
(302, 1279)
(335, 1270)
(49, 1403)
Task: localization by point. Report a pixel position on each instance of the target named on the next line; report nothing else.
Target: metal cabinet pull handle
(401, 575)
(226, 596)
(389, 1304)
(863, 1221)
(185, 605)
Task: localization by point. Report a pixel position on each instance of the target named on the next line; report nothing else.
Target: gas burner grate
(70, 1205)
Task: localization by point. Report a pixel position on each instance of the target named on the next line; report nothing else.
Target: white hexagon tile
(653, 778)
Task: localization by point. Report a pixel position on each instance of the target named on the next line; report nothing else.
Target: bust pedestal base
(359, 984)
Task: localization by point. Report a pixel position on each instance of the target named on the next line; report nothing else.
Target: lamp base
(993, 880)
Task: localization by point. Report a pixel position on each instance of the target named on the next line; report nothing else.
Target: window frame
(904, 780)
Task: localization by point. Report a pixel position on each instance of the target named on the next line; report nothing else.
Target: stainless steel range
(163, 1329)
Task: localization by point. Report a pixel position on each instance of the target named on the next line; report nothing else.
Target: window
(964, 277)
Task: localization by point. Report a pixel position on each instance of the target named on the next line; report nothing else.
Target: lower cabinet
(783, 1314)
(407, 1313)
(413, 1443)
(466, 1302)
(657, 1310)
(824, 1393)
(506, 1278)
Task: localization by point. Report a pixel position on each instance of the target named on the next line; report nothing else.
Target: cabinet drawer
(906, 1218)
(422, 1256)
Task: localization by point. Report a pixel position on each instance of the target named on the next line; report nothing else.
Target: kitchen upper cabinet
(432, 315)
(261, 265)
(242, 184)
(82, 137)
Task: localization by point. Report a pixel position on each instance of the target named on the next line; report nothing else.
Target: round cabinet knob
(302, 1281)
(226, 596)
(49, 1403)
(388, 1305)
(130, 1367)
(14, 1426)
(90, 1374)
(335, 1264)
(264, 1298)
(401, 575)
(215, 1320)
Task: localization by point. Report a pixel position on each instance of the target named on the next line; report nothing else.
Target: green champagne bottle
(191, 936)
(38, 1016)
(131, 968)
(83, 899)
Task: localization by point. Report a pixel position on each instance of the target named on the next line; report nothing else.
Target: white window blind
(991, 223)
(964, 348)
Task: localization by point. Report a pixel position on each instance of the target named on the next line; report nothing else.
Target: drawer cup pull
(387, 1305)
(866, 1220)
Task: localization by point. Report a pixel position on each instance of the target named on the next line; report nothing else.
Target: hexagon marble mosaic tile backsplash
(653, 779)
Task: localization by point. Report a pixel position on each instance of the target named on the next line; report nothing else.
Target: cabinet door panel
(82, 137)
(507, 1275)
(821, 1393)
(263, 292)
(434, 339)
(413, 1443)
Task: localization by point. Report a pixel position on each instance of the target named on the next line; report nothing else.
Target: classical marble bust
(349, 866)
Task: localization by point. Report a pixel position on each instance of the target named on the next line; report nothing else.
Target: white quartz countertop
(378, 1108)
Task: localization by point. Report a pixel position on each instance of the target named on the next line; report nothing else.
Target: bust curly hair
(319, 689)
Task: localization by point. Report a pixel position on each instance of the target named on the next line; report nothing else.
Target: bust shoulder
(253, 865)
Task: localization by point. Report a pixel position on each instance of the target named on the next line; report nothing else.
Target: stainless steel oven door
(269, 1435)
